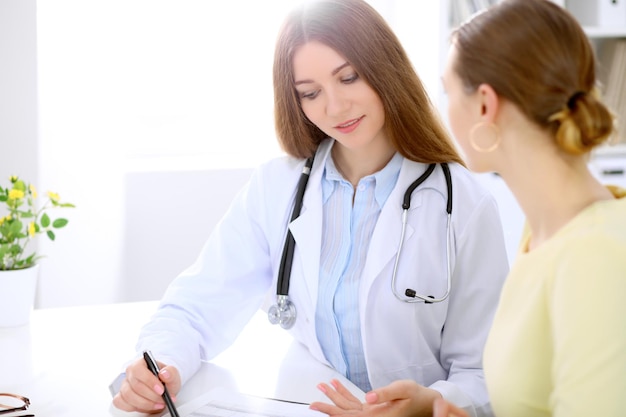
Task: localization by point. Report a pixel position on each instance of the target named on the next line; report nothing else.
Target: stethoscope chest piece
(283, 312)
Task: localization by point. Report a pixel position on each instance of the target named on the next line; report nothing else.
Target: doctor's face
(336, 99)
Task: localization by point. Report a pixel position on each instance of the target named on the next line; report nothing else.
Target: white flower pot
(17, 296)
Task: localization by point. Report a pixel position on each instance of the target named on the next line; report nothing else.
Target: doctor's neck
(356, 163)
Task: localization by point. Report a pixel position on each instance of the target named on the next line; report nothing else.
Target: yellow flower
(53, 196)
(24, 221)
(16, 194)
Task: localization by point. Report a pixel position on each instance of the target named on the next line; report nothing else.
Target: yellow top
(557, 346)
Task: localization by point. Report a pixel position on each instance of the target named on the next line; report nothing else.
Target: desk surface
(65, 359)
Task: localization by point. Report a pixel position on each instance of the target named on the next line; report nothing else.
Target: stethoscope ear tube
(406, 203)
(448, 177)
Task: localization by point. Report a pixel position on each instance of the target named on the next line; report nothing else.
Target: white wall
(103, 102)
(132, 99)
(92, 98)
(125, 84)
(19, 153)
(167, 219)
(18, 91)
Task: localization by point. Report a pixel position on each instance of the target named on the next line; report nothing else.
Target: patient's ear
(489, 102)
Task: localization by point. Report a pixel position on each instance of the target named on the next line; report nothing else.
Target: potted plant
(21, 219)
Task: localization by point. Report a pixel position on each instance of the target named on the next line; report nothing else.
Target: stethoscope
(284, 311)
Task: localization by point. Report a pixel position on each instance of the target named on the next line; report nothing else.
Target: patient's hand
(400, 398)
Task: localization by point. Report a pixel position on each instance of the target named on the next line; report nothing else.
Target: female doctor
(347, 95)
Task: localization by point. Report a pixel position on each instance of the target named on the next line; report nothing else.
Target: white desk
(65, 359)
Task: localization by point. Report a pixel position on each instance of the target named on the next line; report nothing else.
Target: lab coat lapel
(307, 228)
(307, 232)
(388, 232)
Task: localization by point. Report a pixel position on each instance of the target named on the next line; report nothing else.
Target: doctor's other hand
(400, 398)
(141, 390)
(443, 408)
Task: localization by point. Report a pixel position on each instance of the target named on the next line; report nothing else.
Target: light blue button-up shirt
(346, 233)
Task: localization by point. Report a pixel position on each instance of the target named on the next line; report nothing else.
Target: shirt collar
(387, 178)
(384, 180)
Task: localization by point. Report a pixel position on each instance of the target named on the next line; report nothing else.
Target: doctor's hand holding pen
(143, 391)
(400, 398)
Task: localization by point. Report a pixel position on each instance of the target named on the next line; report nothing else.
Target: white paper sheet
(221, 402)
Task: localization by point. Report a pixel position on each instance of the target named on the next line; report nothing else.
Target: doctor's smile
(349, 126)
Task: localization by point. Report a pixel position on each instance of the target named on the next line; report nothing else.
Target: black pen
(154, 368)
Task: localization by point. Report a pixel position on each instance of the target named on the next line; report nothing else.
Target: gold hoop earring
(491, 133)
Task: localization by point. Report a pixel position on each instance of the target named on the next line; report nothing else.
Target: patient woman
(523, 102)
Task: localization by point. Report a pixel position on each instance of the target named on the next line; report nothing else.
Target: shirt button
(361, 187)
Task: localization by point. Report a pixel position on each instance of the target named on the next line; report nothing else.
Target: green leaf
(67, 205)
(50, 234)
(15, 227)
(30, 261)
(25, 214)
(3, 198)
(15, 250)
(45, 220)
(59, 223)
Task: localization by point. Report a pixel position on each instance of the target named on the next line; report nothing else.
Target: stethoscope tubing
(284, 311)
(410, 296)
(416, 297)
(284, 271)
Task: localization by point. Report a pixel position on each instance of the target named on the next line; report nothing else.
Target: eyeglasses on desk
(11, 403)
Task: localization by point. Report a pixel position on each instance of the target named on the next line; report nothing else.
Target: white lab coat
(438, 345)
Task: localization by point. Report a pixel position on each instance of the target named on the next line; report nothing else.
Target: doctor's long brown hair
(357, 32)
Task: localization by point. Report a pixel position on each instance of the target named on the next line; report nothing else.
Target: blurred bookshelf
(604, 22)
(461, 10)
